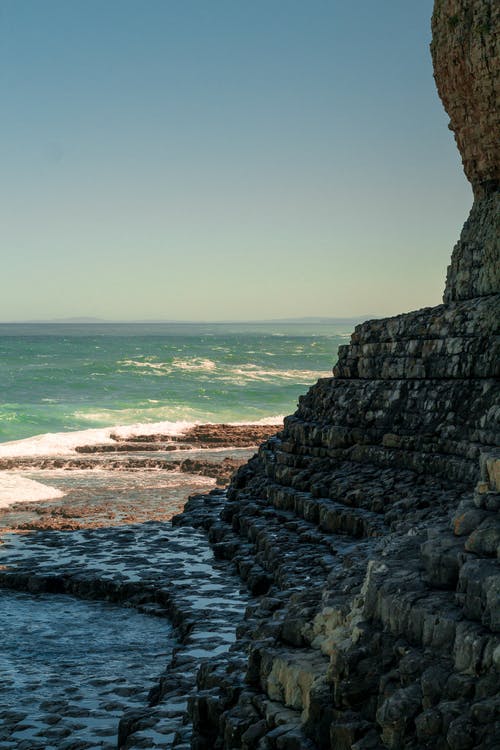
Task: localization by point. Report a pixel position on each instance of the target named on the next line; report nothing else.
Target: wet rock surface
(108, 610)
(130, 479)
(102, 498)
(153, 568)
(219, 466)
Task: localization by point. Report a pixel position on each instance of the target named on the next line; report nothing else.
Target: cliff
(368, 528)
(465, 53)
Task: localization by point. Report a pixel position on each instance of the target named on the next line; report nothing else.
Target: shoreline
(199, 595)
(159, 567)
(63, 443)
(137, 477)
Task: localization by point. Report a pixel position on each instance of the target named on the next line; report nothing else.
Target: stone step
(455, 458)
(289, 676)
(278, 717)
(478, 591)
(444, 341)
(421, 462)
(392, 493)
(448, 564)
(258, 722)
(265, 563)
(398, 599)
(338, 413)
(329, 515)
(454, 357)
(289, 548)
(442, 556)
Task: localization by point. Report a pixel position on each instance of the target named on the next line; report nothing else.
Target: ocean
(68, 385)
(66, 378)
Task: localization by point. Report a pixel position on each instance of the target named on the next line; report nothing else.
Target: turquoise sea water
(65, 377)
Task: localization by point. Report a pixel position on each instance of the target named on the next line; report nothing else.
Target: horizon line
(157, 321)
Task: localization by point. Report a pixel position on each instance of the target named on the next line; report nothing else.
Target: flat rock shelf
(88, 674)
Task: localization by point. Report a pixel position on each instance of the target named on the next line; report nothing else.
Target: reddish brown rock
(466, 55)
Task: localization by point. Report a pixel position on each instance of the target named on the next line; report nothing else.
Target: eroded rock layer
(368, 528)
(466, 56)
(465, 53)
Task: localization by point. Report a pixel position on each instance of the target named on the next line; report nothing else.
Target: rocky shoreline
(92, 546)
(366, 530)
(132, 479)
(154, 568)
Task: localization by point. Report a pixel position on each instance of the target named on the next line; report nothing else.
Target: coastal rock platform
(133, 479)
(99, 557)
(153, 569)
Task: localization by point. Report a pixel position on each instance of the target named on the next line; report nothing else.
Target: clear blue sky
(223, 159)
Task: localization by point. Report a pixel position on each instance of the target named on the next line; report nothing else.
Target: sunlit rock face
(368, 528)
(466, 55)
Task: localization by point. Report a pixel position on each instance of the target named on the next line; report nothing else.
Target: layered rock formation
(368, 528)
(465, 52)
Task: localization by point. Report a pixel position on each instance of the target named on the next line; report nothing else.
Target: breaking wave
(224, 372)
(65, 443)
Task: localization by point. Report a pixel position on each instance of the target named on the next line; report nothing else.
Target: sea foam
(249, 372)
(65, 443)
(15, 488)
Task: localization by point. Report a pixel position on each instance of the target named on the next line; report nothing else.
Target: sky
(223, 159)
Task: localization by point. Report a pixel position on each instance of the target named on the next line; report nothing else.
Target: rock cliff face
(368, 528)
(465, 55)
(465, 52)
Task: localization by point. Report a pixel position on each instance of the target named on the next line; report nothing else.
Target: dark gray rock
(379, 499)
